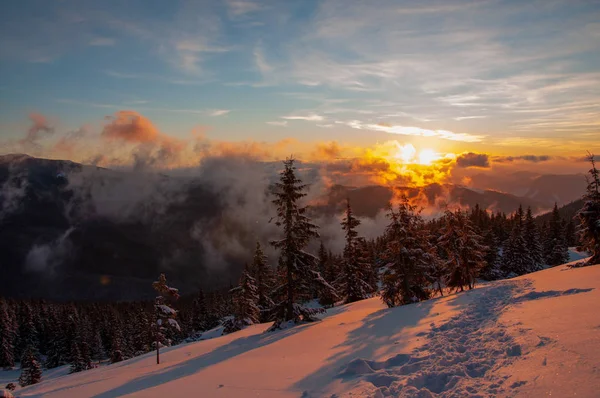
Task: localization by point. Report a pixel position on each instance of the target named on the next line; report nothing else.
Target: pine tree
(265, 279)
(165, 315)
(408, 255)
(491, 271)
(200, 316)
(31, 371)
(353, 280)
(532, 239)
(326, 267)
(245, 299)
(555, 249)
(464, 250)
(297, 268)
(27, 332)
(589, 215)
(7, 337)
(515, 254)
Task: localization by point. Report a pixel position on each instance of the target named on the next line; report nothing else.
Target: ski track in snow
(461, 355)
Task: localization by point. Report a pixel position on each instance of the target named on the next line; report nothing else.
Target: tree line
(413, 260)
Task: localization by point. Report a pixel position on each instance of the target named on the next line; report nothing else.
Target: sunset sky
(507, 78)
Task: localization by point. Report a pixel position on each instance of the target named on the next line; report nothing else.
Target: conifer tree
(353, 279)
(297, 268)
(408, 255)
(27, 333)
(555, 249)
(200, 315)
(264, 277)
(326, 267)
(589, 215)
(491, 271)
(245, 299)
(31, 371)
(532, 239)
(515, 255)
(165, 315)
(464, 250)
(7, 337)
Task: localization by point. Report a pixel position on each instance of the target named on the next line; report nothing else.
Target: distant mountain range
(71, 231)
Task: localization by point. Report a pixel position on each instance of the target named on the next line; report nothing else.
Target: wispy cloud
(237, 8)
(414, 131)
(311, 117)
(218, 112)
(281, 123)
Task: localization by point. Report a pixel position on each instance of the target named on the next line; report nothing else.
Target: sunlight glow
(428, 156)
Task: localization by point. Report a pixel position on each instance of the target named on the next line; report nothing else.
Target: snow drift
(535, 335)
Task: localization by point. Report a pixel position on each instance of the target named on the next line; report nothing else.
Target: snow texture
(531, 336)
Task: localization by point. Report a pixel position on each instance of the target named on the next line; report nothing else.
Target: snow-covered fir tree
(589, 215)
(245, 301)
(297, 268)
(27, 332)
(408, 255)
(516, 259)
(352, 283)
(532, 239)
(555, 248)
(164, 313)
(463, 248)
(31, 370)
(265, 279)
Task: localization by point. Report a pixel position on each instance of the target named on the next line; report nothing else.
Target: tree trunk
(290, 292)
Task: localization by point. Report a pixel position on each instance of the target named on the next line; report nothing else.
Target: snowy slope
(532, 336)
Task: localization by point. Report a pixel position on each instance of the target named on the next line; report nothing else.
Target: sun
(428, 156)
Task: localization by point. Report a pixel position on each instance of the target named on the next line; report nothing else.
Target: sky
(504, 78)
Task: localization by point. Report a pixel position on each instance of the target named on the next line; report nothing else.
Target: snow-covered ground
(532, 336)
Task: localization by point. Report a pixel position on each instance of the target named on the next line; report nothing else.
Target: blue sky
(502, 76)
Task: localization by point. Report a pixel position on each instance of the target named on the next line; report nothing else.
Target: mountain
(511, 338)
(71, 231)
(370, 200)
(545, 189)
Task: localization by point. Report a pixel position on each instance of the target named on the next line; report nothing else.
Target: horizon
(492, 82)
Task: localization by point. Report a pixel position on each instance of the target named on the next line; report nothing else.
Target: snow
(531, 336)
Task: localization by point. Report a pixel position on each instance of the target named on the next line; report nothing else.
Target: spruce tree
(31, 371)
(515, 254)
(7, 337)
(353, 279)
(491, 271)
(408, 255)
(164, 314)
(297, 268)
(245, 299)
(464, 250)
(265, 279)
(589, 215)
(532, 239)
(555, 249)
(326, 267)
(200, 321)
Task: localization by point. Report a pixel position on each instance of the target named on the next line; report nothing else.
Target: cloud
(102, 42)
(40, 128)
(471, 159)
(310, 117)
(239, 8)
(526, 158)
(414, 131)
(130, 126)
(281, 123)
(218, 112)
